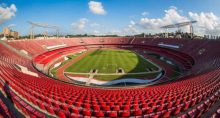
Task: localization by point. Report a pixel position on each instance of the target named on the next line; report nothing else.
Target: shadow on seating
(7, 91)
(8, 101)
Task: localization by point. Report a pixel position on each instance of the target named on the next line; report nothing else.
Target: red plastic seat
(99, 114)
(136, 112)
(193, 113)
(50, 110)
(166, 114)
(186, 106)
(176, 110)
(95, 107)
(124, 113)
(87, 106)
(61, 114)
(112, 114)
(106, 108)
(74, 110)
(125, 107)
(86, 113)
(115, 108)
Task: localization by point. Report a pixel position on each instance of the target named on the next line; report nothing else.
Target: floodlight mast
(179, 25)
(43, 25)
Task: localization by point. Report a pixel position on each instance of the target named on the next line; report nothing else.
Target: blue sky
(118, 16)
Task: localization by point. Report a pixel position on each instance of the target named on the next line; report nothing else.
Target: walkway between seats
(90, 78)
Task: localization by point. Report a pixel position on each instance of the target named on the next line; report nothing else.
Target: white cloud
(208, 22)
(7, 13)
(80, 24)
(171, 16)
(116, 32)
(173, 7)
(96, 8)
(205, 20)
(13, 8)
(144, 13)
(94, 25)
(96, 32)
(215, 31)
(85, 26)
(11, 25)
(131, 29)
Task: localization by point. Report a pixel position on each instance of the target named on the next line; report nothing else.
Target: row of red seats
(25, 86)
(27, 110)
(216, 114)
(35, 47)
(4, 111)
(202, 108)
(190, 47)
(65, 100)
(49, 56)
(186, 46)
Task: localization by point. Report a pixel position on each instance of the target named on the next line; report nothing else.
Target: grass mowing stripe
(86, 61)
(94, 63)
(118, 57)
(130, 61)
(107, 61)
(78, 66)
(97, 61)
(129, 66)
(124, 61)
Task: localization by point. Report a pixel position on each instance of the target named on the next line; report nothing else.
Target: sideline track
(60, 71)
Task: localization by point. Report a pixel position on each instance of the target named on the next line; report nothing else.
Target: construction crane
(43, 25)
(179, 25)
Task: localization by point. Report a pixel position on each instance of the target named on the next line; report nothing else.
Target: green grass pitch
(109, 60)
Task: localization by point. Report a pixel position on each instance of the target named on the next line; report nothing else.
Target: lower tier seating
(42, 96)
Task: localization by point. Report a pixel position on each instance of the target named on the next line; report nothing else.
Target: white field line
(138, 73)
